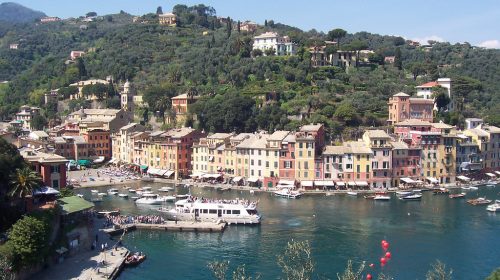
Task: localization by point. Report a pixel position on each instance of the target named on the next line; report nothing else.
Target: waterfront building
(405, 162)
(71, 147)
(403, 107)
(334, 163)
(380, 144)
(287, 164)
(99, 143)
(468, 154)
(473, 123)
(121, 142)
(281, 45)
(487, 138)
(51, 167)
(180, 108)
(273, 153)
(304, 162)
(425, 91)
(251, 158)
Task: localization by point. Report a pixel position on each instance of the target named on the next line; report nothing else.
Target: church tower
(127, 97)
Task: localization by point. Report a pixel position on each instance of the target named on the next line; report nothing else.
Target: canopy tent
(286, 184)
(167, 173)
(497, 172)
(408, 180)
(309, 184)
(84, 162)
(237, 179)
(153, 171)
(144, 167)
(73, 204)
(324, 183)
(45, 191)
(340, 184)
(351, 184)
(432, 180)
(253, 179)
(463, 178)
(491, 175)
(362, 184)
(99, 159)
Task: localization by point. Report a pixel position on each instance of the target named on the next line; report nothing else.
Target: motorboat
(457, 195)
(479, 201)
(135, 259)
(150, 199)
(474, 188)
(382, 197)
(465, 188)
(495, 207)
(182, 196)
(165, 189)
(123, 195)
(146, 188)
(490, 185)
(94, 191)
(80, 195)
(287, 193)
(369, 196)
(352, 193)
(113, 191)
(415, 196)
(102, 194)
(209, 210)
(131, 190)
(441, 191)
(403, 193)
(169, 198)
(135, 198)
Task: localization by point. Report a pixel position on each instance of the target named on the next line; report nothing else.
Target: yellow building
(304, 152)
(168, 19)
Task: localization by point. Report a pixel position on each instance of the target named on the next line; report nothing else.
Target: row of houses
(417, 150)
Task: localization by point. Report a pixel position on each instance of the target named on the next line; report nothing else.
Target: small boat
(252, 191)
(403, 193)
(287, 193)
(113, 191)
(131, 190)
(441, 191)
(109, 213)
(165, 189)
(135, 259)
(182, 196)
(96, 199)
(187, 185)
(414, 196)
(146, 188)
(382, 197)
(473, 188)
(168, 198)
(352, 193)
(495, 207)
(369, 196)
(94, 191)
(458, 195)
(135, 197)
(102, 194)
(490, 185)
(465, 188)
(124, 195)
(479, 201)
(80, 195)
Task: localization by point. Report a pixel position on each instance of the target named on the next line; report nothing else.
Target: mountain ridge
(16, 13)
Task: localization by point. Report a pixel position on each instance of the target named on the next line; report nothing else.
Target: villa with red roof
(425, 90)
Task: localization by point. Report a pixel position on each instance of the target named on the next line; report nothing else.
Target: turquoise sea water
(466, 238)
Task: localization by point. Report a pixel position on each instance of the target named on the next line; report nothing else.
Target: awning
(463, 178)
(84, 162)
(73, 204)
(340, 184)
(352, 184)
(324, 183)
(168, 173)
(432, 180)
(408, 180)
(491, 175)
(253, 179)
(153, 171)
(144, 167)
(237, 179)
(99, 160)
(362, 184)
(213, 176)
(307, 183)
(45, 191)
(286, 182)
(497, 172)
(197, 174)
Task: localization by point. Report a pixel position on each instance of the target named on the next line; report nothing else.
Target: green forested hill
(13, 12)
(239, 92)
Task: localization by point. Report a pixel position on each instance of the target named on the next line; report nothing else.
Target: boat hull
(173, 215)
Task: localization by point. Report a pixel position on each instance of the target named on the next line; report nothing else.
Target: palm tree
(24, 182)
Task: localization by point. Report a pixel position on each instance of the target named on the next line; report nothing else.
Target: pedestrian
(106, 245)
(102, 247)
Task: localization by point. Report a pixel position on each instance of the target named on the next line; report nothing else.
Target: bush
(29, 237)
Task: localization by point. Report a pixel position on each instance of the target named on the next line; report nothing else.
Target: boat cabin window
(252, 212)
(212, 211)
(236, 212)
(227, 211)
(204, 211)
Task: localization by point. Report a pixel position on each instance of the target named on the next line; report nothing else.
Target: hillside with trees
(239, 89)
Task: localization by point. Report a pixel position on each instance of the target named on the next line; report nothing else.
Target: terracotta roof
(377, 133)
(335, 150)
(478, 132)
(311, 127)
(429, 84)
(401, 94)
(278, 135)
(421, 100)
(414, 122)
(358, 147)
(399, 145)
(219, 136)
(441, 125)
(181, 96)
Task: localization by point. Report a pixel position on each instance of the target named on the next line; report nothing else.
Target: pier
(182, 226)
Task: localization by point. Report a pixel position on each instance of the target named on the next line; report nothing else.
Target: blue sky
(476, 22)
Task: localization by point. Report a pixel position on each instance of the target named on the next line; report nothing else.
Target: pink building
(379, 142)
(405, 162)
(287, 158)
(76, 54)
(403, 107)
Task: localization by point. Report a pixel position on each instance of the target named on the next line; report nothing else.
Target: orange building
(99, 143)
(403, 107)
(180, 106)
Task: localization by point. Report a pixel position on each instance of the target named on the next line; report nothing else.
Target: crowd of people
(142, 219)
(245, 202)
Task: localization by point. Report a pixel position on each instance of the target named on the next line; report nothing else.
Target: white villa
(271, 40)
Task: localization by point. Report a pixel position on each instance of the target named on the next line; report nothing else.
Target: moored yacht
(287, 193)
(205, 210)
(165, 189)
(113, 191)
(150, 198)
(382, 196)
(495, 207)
(414, 196)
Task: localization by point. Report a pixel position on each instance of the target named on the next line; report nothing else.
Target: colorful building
(51, 167)
(403, 107)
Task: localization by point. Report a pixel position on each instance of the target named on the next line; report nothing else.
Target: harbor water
(340, 228)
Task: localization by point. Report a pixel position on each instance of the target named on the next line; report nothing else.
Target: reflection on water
(339, 228)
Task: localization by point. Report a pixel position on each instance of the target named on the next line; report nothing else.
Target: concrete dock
(187, 226)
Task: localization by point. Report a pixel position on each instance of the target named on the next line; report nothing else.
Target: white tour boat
(403, 193)
(287, 193)
(230, 211)
(495, 207)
